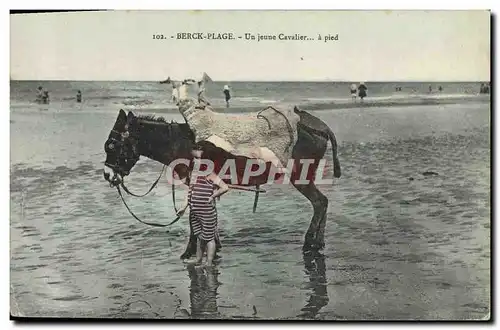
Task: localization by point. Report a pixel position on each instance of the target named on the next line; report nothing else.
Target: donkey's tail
(337, 172)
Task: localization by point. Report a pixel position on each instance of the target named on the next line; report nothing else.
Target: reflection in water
(203, 292)
(315, 268)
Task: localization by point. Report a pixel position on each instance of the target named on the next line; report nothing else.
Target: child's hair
(198, 146)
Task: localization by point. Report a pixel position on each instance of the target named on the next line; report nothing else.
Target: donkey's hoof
(186, 255)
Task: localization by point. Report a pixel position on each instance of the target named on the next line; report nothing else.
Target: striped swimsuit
(202, 215)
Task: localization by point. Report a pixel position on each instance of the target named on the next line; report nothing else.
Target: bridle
(117, 140)
(116, 181)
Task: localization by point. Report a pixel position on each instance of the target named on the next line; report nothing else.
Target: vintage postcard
(257, 165)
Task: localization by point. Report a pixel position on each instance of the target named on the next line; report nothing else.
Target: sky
(371, 46)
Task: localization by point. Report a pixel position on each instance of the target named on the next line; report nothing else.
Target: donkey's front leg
(192, 244)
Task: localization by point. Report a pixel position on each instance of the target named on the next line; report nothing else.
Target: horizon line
(246, 80)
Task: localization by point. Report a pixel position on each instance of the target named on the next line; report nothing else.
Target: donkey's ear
(130, 116)
(122, 116)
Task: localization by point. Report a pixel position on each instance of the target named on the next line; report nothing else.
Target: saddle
(269, 134)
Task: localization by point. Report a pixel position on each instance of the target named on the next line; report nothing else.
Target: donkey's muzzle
(106, 176)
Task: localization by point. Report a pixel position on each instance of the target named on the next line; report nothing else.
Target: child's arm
(185, 204)
(223, 187)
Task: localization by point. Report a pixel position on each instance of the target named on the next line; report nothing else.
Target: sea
(408, 224)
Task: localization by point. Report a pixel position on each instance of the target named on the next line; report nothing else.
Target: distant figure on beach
(398, 89)
(354, 92)
(39, 94)
(79, 96)
(179, 88)
(362, 90)
(201, 93)
(182, 90)
(45, 97)
(485, 89)
(430, 89)
(175, 91)
(227, 95)
(440, 88)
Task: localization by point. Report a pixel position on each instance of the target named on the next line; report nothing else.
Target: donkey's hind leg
(314, 240)
(311, 146)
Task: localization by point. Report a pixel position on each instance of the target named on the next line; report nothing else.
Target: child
(362, 91)
(354, 91)
(46, 98)
(227, 95)
(203, 189)
(39, 94)
(201, 93)
(175, 92)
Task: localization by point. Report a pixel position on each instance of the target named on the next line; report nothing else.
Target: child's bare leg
(199, 250)
(199, 253)
(210, 252)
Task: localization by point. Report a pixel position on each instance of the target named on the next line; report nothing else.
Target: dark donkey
(134, 136)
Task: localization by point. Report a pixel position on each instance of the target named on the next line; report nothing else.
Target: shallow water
(148, 96)
(399, 245)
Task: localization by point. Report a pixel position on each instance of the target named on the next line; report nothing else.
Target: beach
(407, 233)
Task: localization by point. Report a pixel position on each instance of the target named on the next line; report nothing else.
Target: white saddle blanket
(269, 134)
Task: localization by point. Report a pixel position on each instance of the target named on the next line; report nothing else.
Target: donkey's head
(121, 149)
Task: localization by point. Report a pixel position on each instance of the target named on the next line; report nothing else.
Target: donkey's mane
(157, 120)
(152, 118)
(169, 126)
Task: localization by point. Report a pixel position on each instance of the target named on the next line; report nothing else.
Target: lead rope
(173, 195)
(150, 189)
(142, 221)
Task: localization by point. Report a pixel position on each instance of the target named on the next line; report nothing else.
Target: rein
(145, 194)
(150, 189)
(144, 222)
